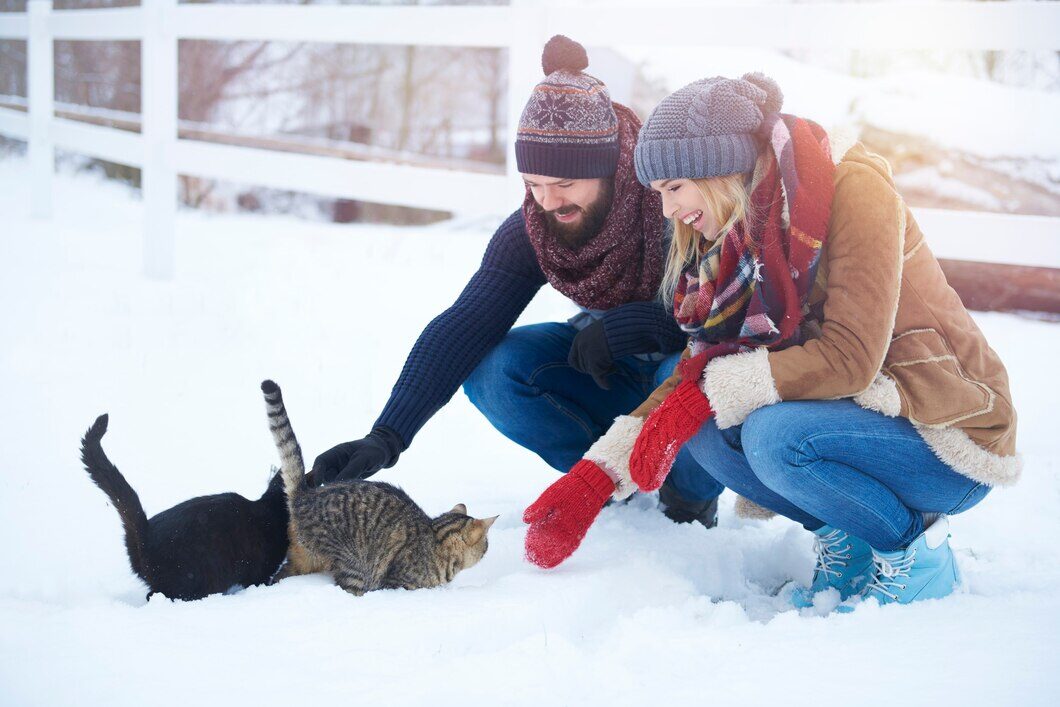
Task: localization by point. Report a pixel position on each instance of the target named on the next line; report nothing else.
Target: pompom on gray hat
(706, 129)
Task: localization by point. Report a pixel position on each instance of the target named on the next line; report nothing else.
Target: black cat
(202, 546)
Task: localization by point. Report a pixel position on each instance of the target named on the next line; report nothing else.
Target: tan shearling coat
(895, 337)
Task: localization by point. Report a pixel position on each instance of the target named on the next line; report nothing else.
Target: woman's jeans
(831, 462)
(526, 389)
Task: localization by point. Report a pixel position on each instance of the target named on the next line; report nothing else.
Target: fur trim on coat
(737, 385)
(748, 509)
(611, 453)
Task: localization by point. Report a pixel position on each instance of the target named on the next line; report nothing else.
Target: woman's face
(681, 200)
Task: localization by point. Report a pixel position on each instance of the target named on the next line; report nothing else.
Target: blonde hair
(728, 203)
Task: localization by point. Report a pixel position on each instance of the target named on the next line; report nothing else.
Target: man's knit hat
(706, 129)
(568, 128)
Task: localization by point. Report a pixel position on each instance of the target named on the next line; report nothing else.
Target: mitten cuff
(611, 453)
(593, 475)
(692, 400)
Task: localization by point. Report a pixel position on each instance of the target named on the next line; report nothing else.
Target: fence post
(524, 71)
(158, 113)
(40, 87)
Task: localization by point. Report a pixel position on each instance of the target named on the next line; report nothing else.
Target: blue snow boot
(844, 563)
(924, 570)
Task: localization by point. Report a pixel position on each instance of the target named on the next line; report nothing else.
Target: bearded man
(588, 228)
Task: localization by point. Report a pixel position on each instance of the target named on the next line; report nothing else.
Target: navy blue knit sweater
(460, 337)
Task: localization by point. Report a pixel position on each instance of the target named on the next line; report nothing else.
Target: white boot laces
(829, 555)
(887, 572)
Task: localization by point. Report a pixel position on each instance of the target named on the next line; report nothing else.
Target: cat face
(462, 539)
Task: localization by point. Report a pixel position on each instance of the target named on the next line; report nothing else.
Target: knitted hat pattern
(706, 129)
(568, 128)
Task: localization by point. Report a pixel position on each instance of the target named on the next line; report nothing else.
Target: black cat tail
(292, 465)
(109, 479)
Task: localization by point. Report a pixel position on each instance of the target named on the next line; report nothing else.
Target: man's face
(574, 209)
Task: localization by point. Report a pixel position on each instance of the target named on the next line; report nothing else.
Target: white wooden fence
(522, 28)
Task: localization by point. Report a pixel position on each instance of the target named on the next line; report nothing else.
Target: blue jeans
(832, 462)
(526, 389)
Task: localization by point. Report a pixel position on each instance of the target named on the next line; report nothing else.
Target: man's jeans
(833, 462)
(526, 389)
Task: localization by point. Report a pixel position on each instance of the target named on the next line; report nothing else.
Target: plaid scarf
(750, 289)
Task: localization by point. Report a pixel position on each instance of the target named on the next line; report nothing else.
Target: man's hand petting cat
(359, 459)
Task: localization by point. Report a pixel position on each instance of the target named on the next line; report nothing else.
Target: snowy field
(647, 611)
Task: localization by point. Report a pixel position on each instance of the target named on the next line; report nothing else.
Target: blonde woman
(832, 374)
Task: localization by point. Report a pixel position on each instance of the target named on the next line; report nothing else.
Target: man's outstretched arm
(445, 354)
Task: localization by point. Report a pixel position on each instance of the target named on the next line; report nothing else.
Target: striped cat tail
(291, 465)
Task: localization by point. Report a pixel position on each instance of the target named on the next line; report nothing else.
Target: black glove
(590, 354)
(359, 459)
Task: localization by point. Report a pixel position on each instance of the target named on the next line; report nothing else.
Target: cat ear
(476, 529)
(459, 508)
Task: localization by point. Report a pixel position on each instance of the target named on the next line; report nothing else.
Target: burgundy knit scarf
(623, 262)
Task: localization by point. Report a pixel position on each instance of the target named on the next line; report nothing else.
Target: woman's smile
(694, 219)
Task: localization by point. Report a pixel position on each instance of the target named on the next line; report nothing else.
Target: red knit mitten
(668, 427)
(561, 516)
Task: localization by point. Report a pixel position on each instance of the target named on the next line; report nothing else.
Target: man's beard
(574, 235)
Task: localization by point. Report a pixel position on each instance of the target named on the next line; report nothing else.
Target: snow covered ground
(645, 611)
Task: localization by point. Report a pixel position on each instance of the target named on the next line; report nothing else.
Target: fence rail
(105, 23)
(521, 28)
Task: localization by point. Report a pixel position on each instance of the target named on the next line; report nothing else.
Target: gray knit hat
(706, 129)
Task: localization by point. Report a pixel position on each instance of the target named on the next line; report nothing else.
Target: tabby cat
(368, 535)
